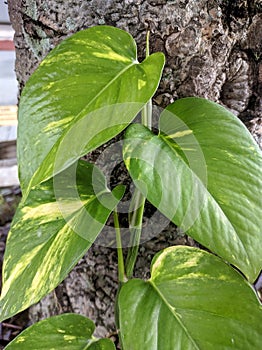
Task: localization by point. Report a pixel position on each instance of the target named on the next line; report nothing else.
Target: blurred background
(8, 102)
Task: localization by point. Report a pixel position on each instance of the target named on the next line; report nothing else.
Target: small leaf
(67, 331)
(204, 173)
(51, 231)
(193, 300)
(86, 91)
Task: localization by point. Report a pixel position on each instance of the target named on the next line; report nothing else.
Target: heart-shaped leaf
(84, 93)
(51, 231)
(193, 300)
(67, 331)
(204, 173)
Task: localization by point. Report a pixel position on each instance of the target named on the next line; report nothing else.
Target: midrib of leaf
(77, 213)
(90, 342)
(90, 200)
(46, 247)
(173, 312)
(52, 237)
(106, 87)
(79, 116)
(206, 189)
(226, 318)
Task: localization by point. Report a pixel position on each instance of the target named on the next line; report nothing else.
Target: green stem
(147, 110)
(147, 115)
(138, 200)
(121, 266)
(135, 227)
(147, 44)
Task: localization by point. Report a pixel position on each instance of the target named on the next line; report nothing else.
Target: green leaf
(205, 177)
(67, 331)
(51, 231)
(193, 300)
(102, 344)
(86, 91)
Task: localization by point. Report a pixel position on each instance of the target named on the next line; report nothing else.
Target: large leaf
(91, 82)
(51, 231)
(193, 300)
(206, 178)
(67, 331)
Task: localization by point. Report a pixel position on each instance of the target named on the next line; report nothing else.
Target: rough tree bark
(213, 49)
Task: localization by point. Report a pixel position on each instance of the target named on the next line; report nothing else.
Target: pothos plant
(202, 170)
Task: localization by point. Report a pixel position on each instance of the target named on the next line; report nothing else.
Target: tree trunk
(213, 49)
